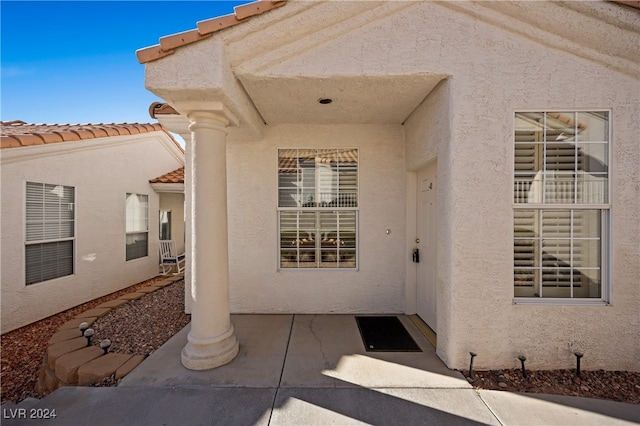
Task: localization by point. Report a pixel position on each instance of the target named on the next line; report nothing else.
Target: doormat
(385, 334)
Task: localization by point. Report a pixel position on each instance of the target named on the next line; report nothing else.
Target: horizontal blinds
(557, 249)
(309, 178)
(50, 212)
(561, 165)
(137, 245)
(556, 164)
(49, 231)
(317, 201)
(318, 239)
(46, 261)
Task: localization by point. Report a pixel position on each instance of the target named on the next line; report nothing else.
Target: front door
(426, 243)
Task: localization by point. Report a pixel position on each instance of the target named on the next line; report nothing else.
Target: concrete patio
(310, 370)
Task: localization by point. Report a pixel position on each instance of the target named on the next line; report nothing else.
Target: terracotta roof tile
(176, 176)
(18, 133)
(170, 42)
(205, 29)
(216, 24)
(68, 135)
(160, 108)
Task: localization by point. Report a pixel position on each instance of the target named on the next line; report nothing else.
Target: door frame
(426, 231)
(411, 283)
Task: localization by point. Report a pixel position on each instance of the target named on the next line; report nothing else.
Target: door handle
(416, 255)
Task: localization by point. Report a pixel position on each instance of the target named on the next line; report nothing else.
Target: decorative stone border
(70, 362)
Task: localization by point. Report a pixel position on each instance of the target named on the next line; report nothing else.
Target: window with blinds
(561, 204)
(137, 226)
(50, 232)
(318, 208)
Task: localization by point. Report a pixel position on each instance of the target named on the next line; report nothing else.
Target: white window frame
(603, 208)
(135, 222)
(63, 234)
(318, 210)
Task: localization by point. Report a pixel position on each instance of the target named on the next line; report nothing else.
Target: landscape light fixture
(83, 326)
(88, 333)
(473, 354)
(105, 345)
(522, 359)
(578, 356)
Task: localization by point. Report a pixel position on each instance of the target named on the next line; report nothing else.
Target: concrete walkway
(308, 370)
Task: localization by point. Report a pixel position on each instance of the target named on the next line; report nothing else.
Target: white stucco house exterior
(476, 163)
(80, 217)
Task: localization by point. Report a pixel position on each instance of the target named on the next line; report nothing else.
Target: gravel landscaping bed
(143, 325)
(621, 386)
(23, 349)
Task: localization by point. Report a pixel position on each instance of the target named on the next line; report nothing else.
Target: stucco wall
(256, 284)
(102, 171)
(511, 73)
(495, 72)
(497, 62)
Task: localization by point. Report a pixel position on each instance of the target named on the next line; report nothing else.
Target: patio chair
(169, 258)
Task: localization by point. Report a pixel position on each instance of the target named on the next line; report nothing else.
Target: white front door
(426, 244)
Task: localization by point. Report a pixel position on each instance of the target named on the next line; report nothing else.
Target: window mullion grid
(338, 239)
(539, 267)
(317, 239)
(298, 254)
(571, 247)
(544, 167)
(575, 164)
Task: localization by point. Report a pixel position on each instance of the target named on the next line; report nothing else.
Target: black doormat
(385, 334)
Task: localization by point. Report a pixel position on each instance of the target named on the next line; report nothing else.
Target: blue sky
(74, 61)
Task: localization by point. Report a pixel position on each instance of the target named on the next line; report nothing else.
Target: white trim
(554, 301)
(317, 209)
(162, 187)
(604, 208)
(27, 243)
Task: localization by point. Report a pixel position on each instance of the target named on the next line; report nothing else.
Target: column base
(204, 354)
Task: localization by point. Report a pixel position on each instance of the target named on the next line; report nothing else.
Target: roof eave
(173, 188)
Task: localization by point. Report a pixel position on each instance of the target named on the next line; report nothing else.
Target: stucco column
(211, 341)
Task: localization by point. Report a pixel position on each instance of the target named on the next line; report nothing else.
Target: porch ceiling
(365, 99)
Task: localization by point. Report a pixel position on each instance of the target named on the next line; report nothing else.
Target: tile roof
(176, 176)
(241, 14)
(205, 28)
(19, 134)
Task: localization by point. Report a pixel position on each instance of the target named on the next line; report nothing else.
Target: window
(137, 226)
(50, 232)
(165, 225)
(318, 208)
(561, 204)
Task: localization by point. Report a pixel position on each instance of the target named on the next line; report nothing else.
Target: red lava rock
(622, 386)
(23, 349)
